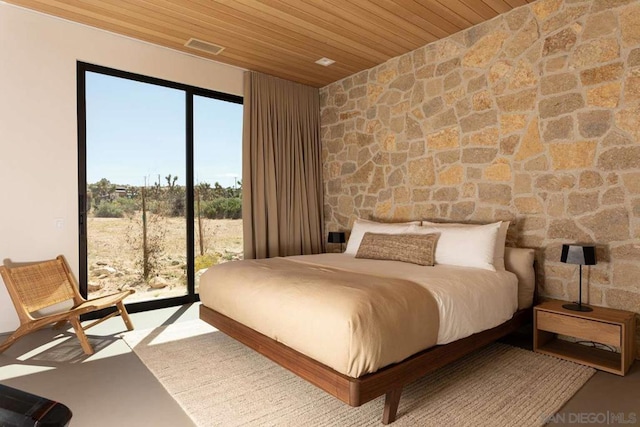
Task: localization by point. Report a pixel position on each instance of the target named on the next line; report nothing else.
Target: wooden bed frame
(357, 391)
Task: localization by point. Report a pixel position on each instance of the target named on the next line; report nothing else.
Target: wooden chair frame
(65, 287)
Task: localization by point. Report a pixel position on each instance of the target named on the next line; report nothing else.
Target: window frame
(190, 92)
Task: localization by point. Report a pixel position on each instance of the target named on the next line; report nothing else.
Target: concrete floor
(114, 388)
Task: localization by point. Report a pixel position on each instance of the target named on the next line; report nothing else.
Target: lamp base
(577, 307)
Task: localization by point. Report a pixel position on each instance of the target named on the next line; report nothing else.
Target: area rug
(220, 382)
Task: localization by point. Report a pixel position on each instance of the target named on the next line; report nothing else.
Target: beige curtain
(282, 206)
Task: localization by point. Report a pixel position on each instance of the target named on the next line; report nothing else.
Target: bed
(361, 328)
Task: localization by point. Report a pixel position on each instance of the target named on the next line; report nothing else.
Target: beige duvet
(352, 322)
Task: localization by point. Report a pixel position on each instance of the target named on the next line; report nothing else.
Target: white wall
(38, 132)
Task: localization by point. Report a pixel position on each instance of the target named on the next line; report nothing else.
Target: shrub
(108, 210)
(128, 206)
(205, 261)
(222, 207)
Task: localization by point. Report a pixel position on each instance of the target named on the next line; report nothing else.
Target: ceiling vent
(204, 46)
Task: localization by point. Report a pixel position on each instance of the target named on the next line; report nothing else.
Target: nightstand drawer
(604, 333)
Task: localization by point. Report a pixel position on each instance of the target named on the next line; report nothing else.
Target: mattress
(359, 315)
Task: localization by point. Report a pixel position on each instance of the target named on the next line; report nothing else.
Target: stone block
(608, 225)
(462, 210)
(628, 119)
(590, 179)
(478, 155)
(487, 137)
(477, 121)
(607, 95)
(577, 155)
(604, 73)
(623, 299)
(425, 72)
(421, 172)
(520, 101)
(561, 128)
(632, 85)
(522, 40)
(555, 205)
(477, 84)
(595, 52)
(444, 119)
(633, 60)
(452, 80)
(559, 105)
(567, 229)
(445, 194)
(433, 106)
(516, 18)
(558, 63)
(592, 124)
(620, 158)
(555, 182)
(632, 182)
(446, 67)
(599, 5)
(495, 193)
(522, 184)
(557, 83)
(445, 138)
(567, 16)
(613, 196)
(512, 122)
(530, 145)
(451, 176)
(629, 28)
(500, 170)
(562, 41)
(600, 25)
(508, 145)
(481, 53)
(447, 157)
(403, 83)
(482, 101)
(528, 205)
(542, 9)
(581, 203)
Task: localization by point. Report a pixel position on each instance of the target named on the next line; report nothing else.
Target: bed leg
(391, 401)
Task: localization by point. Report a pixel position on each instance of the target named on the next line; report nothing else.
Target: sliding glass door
(160, 190)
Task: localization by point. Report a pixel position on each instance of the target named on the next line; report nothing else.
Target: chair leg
(59, 324)
(125, 316)
(19, 333)
(84, 342)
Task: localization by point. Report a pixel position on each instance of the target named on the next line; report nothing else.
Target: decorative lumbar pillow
(501, 238)
(414, 248)
(465, 246)
(362, 226)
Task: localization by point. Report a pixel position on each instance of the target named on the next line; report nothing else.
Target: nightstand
(602, 325)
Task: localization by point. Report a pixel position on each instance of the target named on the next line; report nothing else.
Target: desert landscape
(114, 253)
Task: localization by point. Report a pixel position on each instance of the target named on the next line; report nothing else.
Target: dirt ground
(115, 256)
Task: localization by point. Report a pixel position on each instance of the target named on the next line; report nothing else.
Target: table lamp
(581, 255)
(337, 237)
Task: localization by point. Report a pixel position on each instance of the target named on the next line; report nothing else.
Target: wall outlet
(59, 223)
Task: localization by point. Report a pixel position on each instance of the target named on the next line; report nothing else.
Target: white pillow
(498, 255)
(361, 226)
(465, 246)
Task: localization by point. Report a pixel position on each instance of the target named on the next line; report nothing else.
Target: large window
(160, 189)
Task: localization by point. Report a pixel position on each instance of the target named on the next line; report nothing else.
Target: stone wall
(532, 117)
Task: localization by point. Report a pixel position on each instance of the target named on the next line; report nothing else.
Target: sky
(137, 130)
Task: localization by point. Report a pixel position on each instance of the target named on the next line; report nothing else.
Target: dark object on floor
(21, 409)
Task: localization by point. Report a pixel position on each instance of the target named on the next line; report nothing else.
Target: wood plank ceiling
(284, 38)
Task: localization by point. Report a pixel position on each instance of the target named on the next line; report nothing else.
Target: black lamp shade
(578, 254)
(336, 237)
